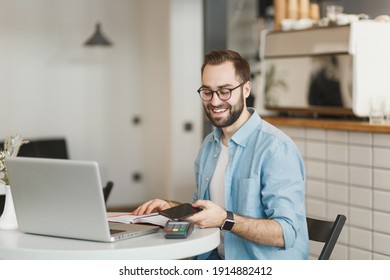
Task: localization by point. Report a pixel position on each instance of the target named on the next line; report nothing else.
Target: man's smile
(219, 110)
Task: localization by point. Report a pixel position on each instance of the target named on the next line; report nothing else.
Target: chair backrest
(107, 190)
(326, 232)
(45, 148)
(2, 203)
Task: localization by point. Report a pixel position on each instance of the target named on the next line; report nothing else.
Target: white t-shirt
(217, 188)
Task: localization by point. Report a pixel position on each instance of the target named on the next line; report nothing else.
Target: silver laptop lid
(58, 197)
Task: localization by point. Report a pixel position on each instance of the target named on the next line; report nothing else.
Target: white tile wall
(338, 193)
(336, 136)
(381, 179)
(316, 134)
(340, 252)
(359, 254)
(315, 169)
(315, 249)
(360, 238)
(316, 207)
(348, 173)
(337, 153)
(363, 138)
(381, 157)
(382, 201)
(316, 150)
(381, 243)
(360, 217)
(360, 197)
(293, 132)
(360, 155)
(382, 222)
(381, 139)
(361, 176)
(315, 188)
(337, 173)
(380, 257)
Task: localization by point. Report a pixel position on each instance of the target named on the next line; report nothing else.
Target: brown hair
(240, 64)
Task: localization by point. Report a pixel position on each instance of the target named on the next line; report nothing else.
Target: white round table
(17, 245)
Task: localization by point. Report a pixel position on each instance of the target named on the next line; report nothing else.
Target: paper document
(129, 218)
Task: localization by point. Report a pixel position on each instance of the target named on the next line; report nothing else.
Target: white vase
(8, 219)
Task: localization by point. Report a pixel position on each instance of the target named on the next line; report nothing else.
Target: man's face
(223, 113)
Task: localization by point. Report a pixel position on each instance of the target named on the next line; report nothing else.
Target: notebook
(64, 198)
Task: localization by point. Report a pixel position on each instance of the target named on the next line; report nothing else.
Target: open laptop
(64, 198)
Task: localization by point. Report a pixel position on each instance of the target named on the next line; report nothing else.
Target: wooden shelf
(328, 124)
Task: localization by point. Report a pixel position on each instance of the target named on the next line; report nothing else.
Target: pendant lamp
(97, 39)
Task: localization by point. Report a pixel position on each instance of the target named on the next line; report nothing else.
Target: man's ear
(247, 89)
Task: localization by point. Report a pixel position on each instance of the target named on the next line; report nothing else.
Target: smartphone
(180, 212)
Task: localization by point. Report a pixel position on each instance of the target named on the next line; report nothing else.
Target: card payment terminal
(178, 229)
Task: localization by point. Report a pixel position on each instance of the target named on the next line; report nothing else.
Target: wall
(186, 58)
(371, 8)
(51, 85)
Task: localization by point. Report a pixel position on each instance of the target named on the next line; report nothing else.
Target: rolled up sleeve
(283, 190)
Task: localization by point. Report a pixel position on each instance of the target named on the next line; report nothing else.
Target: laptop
(64, 198)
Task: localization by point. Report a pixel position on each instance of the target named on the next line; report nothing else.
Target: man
(249, 175)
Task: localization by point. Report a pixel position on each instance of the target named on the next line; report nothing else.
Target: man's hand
(263, 231)
(212, 215)
(153, 205)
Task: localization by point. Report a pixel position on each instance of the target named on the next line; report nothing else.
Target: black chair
(107, 190)
(326, 232)
(2, 203)
(44, 148)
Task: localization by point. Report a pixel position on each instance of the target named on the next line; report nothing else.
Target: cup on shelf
(377, 109)
(332, 12)
(387, 111)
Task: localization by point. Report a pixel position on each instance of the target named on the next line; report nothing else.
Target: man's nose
(215, 99)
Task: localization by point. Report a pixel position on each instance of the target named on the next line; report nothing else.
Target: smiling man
(249, 175)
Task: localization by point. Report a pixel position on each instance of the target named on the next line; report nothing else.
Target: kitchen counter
(346, 125)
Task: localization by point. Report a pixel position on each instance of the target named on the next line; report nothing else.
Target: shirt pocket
(246, 197)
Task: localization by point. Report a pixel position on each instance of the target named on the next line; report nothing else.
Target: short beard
(235, 113)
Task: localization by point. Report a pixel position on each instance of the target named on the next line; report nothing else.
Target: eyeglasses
(223, 94)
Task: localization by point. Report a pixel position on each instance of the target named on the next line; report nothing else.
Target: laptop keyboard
(115, 231)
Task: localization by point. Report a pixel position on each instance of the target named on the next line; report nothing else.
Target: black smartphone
(180, 211)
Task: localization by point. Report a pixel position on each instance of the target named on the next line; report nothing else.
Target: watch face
(228, 225)
(229, 222)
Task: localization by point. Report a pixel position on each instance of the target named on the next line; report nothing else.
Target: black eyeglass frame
(218, 93)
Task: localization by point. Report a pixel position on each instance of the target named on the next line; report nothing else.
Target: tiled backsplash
(348, 172)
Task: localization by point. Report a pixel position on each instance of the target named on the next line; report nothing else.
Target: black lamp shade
(97, 39)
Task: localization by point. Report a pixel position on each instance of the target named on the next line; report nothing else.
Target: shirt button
(207, 179)
(215, 155)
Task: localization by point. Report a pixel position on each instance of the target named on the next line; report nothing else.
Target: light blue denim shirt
(264, 179)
